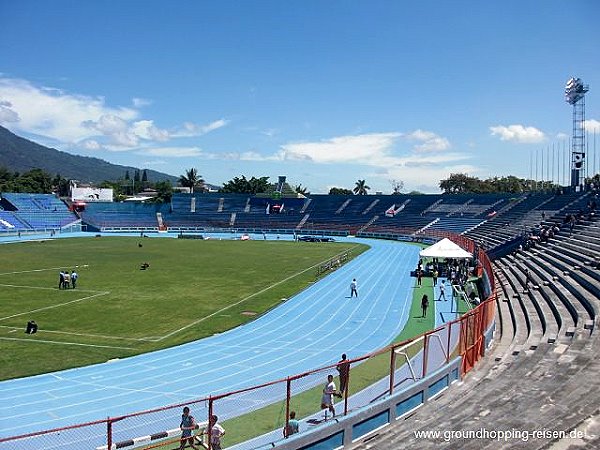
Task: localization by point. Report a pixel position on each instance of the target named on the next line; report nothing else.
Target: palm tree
(299, 189)
(361, 188)
(191, 179)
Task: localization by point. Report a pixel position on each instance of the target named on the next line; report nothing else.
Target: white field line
(46, 288)
(58, 305)
(196, 322)
(34, 270)
(79, 334)
(63, 343)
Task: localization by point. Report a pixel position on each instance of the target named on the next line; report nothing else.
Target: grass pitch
(192, 289)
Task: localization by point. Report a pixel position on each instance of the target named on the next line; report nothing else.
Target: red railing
(267, 407)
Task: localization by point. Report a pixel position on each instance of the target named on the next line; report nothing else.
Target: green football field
(191, 290)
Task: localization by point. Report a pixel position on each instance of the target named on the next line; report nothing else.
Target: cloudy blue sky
(325, 92)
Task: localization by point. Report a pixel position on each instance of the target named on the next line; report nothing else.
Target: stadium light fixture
(575, 90)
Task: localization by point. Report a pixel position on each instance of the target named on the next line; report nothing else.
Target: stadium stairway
(539, 374)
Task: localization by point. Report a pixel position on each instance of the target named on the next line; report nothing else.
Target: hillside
(21, 155)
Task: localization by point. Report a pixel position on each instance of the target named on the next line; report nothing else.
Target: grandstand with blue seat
(34, 212)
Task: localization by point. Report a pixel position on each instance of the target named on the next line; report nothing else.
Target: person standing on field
(353, 288)
(424, 304)
(66, 279)
(74, 277)
(442, 291)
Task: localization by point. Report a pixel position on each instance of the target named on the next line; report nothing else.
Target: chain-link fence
(93, 434)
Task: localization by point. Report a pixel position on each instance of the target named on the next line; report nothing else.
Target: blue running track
(310, 330)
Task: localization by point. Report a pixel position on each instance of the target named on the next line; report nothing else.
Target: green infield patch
(191, 289)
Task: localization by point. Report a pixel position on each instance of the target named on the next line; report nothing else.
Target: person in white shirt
(74, 277)
(327, 399)
(216, 433)
(353, 288)
(442, 291)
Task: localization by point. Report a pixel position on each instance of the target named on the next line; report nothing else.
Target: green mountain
(18, 154)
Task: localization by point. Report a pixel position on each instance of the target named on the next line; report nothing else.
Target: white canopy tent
(445, 249)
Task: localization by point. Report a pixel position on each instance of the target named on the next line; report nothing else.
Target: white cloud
(117, 130)
(518, 133)
(255, 156)
(145, 129)
(430, 142)
(91, 144)
(79, 119)
(56, 114)
(562, 136)
(140, 102)
(7, 114)
(423, 164)
(421, 175)
(154, 162)
(191, 129)
(172, 152)
(361, 148)
(592, 125)
(270, 132)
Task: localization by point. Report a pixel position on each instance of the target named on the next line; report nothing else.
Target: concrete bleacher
(540, 374)
(522, 215)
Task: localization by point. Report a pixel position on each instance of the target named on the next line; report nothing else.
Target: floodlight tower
(575, 92)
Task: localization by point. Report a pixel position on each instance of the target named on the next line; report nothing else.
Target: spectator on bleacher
(353, 288)
(293, 425)
(424, 304)
(572, 223)
(343, 368)
(187, 426)
(74, 277)
(556, 228)
(527, 279)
